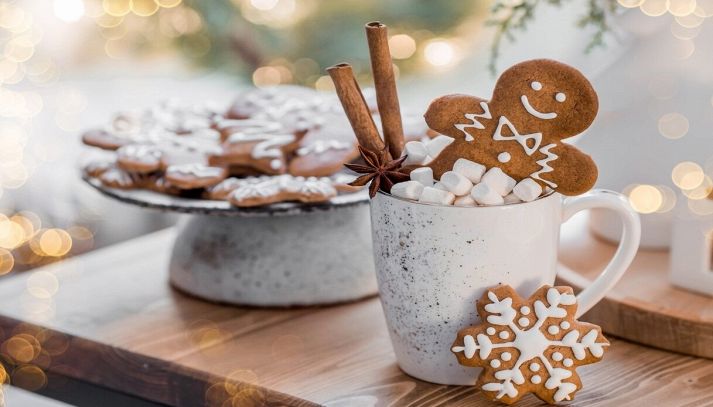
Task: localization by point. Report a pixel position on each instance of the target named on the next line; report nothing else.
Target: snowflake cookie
(529, 346)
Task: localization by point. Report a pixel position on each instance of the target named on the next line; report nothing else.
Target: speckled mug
(433, 262)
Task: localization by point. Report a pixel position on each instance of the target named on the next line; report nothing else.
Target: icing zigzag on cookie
(545, 165)
(475, 124)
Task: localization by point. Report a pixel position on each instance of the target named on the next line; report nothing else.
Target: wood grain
(644, 307)
(127, 330)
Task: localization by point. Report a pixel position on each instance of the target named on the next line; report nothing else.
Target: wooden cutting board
(643, 307)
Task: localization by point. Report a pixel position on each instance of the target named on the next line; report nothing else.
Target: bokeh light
(402, 46)
(681, 8)
(55, 242)
(687, 175)
(645, 198)
(42, 284)
(69, 11)
(673, 125)
(654, 8)
(7, 261)
(439, 52)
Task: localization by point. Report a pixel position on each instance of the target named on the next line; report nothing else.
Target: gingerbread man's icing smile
(535, 105)
(560, 97)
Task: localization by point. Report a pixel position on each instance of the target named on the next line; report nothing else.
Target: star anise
(382, 172)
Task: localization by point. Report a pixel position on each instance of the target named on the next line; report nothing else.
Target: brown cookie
(118, 178)
(283, 188)
(221, 191)
(104, 139)
(324, 151)
(158, 183)
(192, 176)
(264, 148)
(535, 105)
(529, 345)
(97, 167)
(140, 158)
(255, 101)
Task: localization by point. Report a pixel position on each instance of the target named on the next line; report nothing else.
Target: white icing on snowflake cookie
(542, 350)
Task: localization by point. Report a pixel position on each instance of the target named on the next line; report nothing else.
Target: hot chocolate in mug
(433, 262)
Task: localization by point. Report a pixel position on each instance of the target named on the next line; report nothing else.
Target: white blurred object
(692, 251)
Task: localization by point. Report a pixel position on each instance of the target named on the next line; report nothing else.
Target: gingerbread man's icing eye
(560, 97)
(536, 85)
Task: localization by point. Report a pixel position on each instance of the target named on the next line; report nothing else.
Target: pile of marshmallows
(468, 184)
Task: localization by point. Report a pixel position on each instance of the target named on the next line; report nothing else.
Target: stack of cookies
(284, 143)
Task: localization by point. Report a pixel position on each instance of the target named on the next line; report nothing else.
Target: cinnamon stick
(356, 108)
(387, 97)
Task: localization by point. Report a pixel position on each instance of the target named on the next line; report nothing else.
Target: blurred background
(66, 65)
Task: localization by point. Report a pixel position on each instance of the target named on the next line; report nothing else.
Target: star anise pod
(382, 172)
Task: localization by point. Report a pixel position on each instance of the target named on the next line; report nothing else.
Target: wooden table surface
(112, 320)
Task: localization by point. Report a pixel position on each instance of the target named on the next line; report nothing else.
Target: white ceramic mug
(433, 262)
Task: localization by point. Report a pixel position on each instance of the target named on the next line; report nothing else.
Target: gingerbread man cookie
(535, 105)
(529, 345)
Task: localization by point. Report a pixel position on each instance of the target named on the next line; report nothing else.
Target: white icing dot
(495, 363)
(560, 97)
(567, 362)
(536, 379)
(553, 329)
(490, 331)
(525, 310)
(504, 157)
(536, 85)
(504, 334)
(275, 164)
(506, 356)
(564, 325)
(557, 356)
(523, 321)
(534, 366)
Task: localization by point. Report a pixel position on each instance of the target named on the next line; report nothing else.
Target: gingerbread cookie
(222, 190)
(323, 151)
(192, 176)
(283, 188)
(140, 158)
(535, 105)
(118, 178)
(264, 148)
(529, 346)
(104, 139)
(97, 167)
(158, 183)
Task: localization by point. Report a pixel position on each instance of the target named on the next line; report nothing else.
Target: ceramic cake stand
(285, 254)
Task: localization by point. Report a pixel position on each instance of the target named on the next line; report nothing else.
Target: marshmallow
(498, 181)
(465, 200)
(424, 175)
(408, 190)
(439, 185)
(485, 195)
(469, 169)
(527, 190)
(415, 152)
(456, 183)
(436, 196)
(511, 198)
(436, 145)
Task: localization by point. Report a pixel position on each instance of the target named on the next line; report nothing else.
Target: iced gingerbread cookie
(529, 346)
(104, 139)
(264, 147)
(283, 188)
(323, 151)
(535, 106)
(192, 176)
(140, 158)
(118, 178)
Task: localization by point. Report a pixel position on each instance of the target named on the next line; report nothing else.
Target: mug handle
(628, 244)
